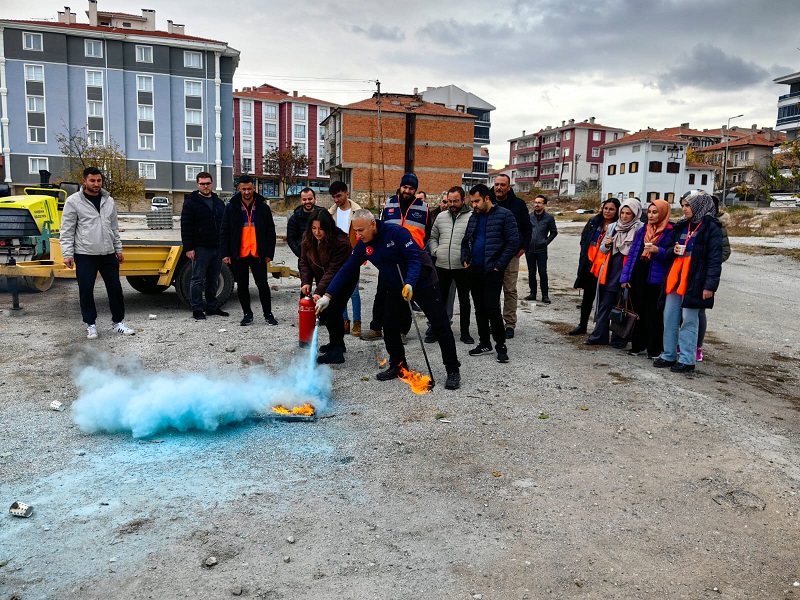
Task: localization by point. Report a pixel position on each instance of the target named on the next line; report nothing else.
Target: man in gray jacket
(90, 244)
(444, 246)
(544, 231)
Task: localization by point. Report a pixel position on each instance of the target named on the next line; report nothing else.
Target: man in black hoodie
(201, 218)
(247, 243)
(298, 222)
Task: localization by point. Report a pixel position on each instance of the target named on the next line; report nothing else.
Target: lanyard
(690, 232)
(249, 213)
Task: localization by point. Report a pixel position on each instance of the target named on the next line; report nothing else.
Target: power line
(301, 78)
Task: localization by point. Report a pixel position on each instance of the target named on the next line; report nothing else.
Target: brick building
(371, 143)
(266, 118)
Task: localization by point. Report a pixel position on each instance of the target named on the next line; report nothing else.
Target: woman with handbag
(644, 273)
(694, 260)
(615, 247)
(591, 239)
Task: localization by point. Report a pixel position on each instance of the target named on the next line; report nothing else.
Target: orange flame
(420, 384)
(306, 410)
(382, 362)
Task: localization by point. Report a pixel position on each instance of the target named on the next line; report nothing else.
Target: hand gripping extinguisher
(306, 320)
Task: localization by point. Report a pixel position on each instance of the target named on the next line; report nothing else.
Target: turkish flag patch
(369, 250)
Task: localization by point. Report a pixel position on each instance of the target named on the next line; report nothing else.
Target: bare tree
(289, 165)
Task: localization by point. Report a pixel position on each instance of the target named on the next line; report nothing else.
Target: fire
(382, 362)
(306, 410)
(420, 384)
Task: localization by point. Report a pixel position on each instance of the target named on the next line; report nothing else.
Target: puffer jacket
(447, 232)
(705, 269)
(312, 269)
(84, 230)
(296, 227)
(657, 272)
(519, 209)
(502, 239)
(200, 226)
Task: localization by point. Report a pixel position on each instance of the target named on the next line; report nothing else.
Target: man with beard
(504, 197)
(298, 222)
(543, 231)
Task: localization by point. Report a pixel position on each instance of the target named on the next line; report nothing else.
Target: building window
(93, 48)
(270, 111)
(32, 41)
(94, 79)
(673, 167)
(300, 132)
(194, 117)
(247, 146)
(633, 167)
(144, 83)
(145, 112)
(36, 164)
(636, 148)
(144, 54)
(612, 169)
(35, 104)
(652, 196)
(194, 144)
(95, 138)
(616, 136)
(146, 141)
(612, 152)
(596, 136)
(322, 114)
(192, 171)
(565, 168)
(34, 72)
(247, 127)
(565, 152)
(567, 135)
(247, 109)
(299, 113)
(192, 88)
(593, 168)
(655, 166)
(657, 148)
(192, 60)
(669, 197)
(595, 152)
(247, 165)
(691, 178)
(94, 108)
(270, 130)
(622, 168)
(703, 179)
(147, 170)
(301, 148)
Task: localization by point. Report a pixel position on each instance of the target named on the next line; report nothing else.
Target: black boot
(393, 372)
(334, 356)
(579, 330)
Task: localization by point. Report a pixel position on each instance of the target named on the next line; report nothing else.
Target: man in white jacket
(90, 244)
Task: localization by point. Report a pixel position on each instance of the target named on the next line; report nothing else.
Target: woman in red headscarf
(644, 274)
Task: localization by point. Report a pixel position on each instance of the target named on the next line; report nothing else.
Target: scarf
(653, 232)
(625, 232)
(701, 204)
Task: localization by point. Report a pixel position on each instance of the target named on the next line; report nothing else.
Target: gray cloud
(379, 33)
(708, 67)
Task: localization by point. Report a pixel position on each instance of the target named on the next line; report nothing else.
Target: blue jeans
(206, 268)
(356, 298)
(680, 329)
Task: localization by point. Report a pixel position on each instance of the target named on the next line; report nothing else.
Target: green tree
(289, 166)
(124, 185)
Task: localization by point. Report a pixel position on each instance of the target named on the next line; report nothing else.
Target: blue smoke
(117, 400)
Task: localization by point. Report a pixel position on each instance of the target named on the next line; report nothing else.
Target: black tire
(146, 284)
(184, 277)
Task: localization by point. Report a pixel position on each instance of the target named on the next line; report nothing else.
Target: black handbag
(622, 317)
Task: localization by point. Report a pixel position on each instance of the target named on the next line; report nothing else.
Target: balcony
(787, 96)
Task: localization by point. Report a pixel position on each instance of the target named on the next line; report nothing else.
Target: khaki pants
(510, 293)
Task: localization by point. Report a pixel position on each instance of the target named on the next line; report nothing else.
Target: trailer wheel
(29, 284)
(184, 277)
(146, 284)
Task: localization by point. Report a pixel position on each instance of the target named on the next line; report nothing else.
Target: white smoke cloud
(125, 399)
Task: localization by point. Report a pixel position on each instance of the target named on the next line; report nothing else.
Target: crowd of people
(666, 273)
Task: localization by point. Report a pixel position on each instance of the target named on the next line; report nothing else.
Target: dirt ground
(571, 472)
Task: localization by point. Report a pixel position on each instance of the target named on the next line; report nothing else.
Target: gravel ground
(571, 472)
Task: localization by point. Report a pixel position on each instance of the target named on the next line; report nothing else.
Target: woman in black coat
(592, 235)
(694, 262)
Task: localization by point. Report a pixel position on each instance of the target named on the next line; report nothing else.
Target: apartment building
(561, 159)
(266, 118)
(744, 154)
(370, 144)
(160, 95)
(789, 106)
(454, 97)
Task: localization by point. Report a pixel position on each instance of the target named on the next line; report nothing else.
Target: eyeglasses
(204, 183)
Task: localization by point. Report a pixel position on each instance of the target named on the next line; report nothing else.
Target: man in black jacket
(504, 196)
(247, 242)
(543, 231)
(201, 218)
(298, 222)
(490, 243)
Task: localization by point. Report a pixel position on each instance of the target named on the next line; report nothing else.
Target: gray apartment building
(163, 96)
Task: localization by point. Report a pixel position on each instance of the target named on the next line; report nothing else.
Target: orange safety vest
(249, 245)
(414, 219)
(598, 259)
(678, 276)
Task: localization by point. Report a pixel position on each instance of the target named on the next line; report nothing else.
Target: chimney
(169, 26)
(563, 123)
(572, 121)
(591, 119)
(684, 126)
(754, 126)
(179, 29)
(416, 92)
(294, 93)
(92, 13)
(523, 133)
(67, 16)
(150, 16)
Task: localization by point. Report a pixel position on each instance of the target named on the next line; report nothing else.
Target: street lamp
(725, 164)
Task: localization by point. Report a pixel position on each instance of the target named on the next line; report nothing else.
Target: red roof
(754, 139)
(651, 135)
(690, 164)
(278, 98)
(400, 103)
(120, 30)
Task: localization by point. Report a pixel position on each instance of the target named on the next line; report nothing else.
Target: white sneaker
(123, 329)
(91, 332)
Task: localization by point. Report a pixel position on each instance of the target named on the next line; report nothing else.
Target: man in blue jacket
(389, 246)
(201, 219)
(490, 242)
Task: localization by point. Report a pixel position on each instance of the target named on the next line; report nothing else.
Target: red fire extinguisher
(306, 320)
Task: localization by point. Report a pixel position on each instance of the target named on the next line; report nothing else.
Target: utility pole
(725, 163)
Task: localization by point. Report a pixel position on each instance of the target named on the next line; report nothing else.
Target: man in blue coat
(389, 246)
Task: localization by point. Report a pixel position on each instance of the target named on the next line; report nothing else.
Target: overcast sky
(629, 63)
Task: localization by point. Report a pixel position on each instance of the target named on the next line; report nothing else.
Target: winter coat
(520, 211)
(502, 239)
(296, 227)
(706, 266)
(84, 230)
(200, 225)
(584, 264)
(353, 208)
(543, 231)
(312, 269)
(391, 247)
(446, 234)
(230, 238)
(657, 271)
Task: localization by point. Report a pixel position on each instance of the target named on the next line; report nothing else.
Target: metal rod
(419, 334)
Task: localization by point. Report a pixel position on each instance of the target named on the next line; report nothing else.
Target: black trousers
(87, 266)
(331, 318)
(537, 261)
(430, 301)
(241, 273)
(461, 279)
(649, 331)
(589, 292)
(607, 300)
(486, 288)
(379, 309)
